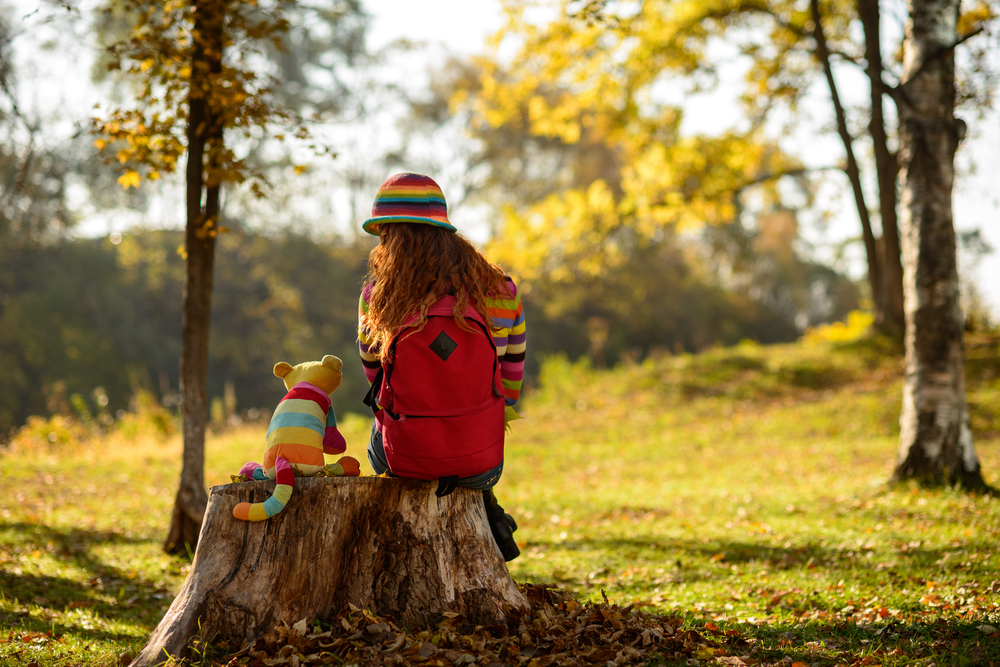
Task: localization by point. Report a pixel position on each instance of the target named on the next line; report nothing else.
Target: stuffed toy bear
(302, 429)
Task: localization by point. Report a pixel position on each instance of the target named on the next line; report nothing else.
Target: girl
(423, 268)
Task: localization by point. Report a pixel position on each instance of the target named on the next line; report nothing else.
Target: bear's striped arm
(282, 492)
(333, 441)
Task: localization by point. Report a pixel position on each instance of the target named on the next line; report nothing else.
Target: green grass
(742, 489)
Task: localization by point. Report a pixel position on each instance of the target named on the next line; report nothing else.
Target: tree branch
(775, 175)
(852, 170)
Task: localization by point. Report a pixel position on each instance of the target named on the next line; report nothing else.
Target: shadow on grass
(69, 543)
(101, 590)
(911, 559)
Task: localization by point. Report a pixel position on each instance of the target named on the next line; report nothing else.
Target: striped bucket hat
(408, 197)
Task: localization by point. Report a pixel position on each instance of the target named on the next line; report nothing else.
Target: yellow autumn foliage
(600, 81)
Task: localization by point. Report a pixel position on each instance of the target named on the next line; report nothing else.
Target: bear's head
(324, 374)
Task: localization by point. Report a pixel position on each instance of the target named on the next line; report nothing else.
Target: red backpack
(439, 402)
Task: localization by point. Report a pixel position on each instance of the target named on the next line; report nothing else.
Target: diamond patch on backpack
(443, 346)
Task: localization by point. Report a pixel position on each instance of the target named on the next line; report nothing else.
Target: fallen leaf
(397, 643)
(79, 604)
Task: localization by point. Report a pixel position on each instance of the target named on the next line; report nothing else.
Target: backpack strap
(371, 398)
(384, 372)
(497, 391)
(446, 485)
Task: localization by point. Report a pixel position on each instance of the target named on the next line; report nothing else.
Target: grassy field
(742, 490)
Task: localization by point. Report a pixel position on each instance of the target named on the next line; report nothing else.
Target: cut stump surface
(389, 545)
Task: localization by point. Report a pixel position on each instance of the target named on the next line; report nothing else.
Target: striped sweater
(507, 314)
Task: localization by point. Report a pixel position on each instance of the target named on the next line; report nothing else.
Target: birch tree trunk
(935, 439)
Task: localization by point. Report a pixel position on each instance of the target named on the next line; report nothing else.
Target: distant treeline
(86, 319)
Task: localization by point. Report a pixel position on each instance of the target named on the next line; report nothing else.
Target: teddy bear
(303, 428)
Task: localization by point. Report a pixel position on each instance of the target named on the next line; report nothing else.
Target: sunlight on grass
(743, 485)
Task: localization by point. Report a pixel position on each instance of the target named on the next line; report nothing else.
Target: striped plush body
(303, 429)
(297, 431)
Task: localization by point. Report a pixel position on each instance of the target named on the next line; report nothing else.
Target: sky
(461, 27)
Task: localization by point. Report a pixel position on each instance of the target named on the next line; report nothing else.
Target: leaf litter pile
(556, 630)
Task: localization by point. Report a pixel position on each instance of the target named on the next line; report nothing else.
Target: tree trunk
(935, 440)
(189, 505)
(891, 319)
(389, 545)
(875, 276)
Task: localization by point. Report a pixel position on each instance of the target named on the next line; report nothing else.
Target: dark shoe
(502, 525)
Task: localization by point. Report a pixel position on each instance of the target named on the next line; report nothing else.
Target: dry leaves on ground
(556, 630)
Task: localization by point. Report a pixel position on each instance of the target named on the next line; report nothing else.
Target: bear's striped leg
(285, 478)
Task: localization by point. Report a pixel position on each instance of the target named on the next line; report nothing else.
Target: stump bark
(389, 545)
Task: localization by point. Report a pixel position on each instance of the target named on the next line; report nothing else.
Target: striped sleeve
(508, 315)
(369, 352)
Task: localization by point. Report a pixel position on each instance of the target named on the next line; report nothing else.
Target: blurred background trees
(89, 313)
(583, 127)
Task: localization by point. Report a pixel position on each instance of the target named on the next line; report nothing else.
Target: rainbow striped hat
(408, 197)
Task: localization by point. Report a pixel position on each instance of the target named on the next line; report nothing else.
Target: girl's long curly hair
(412, 267)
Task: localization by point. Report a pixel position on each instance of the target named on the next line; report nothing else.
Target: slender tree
(935, 441)
(204, 129)
(890, 318)
(876, 275)
(190, 92)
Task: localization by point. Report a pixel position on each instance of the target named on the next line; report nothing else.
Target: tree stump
(389, 545)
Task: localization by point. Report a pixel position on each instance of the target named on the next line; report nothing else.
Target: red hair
(413, 266)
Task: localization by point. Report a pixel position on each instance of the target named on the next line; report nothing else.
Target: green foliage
(73, 320)
(285, 299)
(83, 314)
(665, 298)
(289, 298)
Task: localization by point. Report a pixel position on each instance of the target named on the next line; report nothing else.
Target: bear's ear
(282, 368)
(333, 362)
